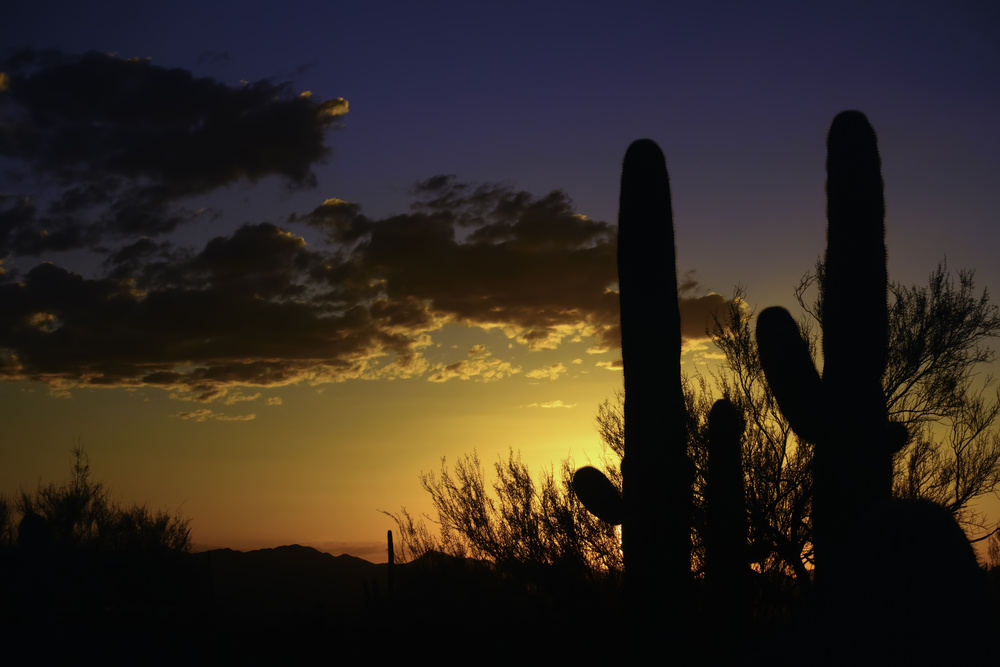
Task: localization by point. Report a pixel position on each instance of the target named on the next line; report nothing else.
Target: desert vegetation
(81, 514)
(797, 495)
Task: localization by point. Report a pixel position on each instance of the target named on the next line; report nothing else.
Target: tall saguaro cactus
(844, 414)
(655, 506)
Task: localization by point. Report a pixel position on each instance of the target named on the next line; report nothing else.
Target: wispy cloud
(205, 415)
(481, 366)
(547, 373)
(241, 398)
(551, 404)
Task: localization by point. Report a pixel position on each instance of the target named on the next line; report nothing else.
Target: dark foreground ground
(295, 604)
(275, 606)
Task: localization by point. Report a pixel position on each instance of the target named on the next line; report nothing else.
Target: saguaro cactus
(726, 548)
(390, 566)
(655, 507)
(844, 414)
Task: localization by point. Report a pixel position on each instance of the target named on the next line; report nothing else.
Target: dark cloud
(340, 220)
(147, 261)
(261, 259)
(262, 308)
(118, 143)
(489, 256)
(59, 326)
(699, 315)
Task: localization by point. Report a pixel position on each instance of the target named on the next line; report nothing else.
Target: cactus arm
(790, 372)
(598, 495)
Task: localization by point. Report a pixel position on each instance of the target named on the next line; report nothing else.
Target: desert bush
(81, 514)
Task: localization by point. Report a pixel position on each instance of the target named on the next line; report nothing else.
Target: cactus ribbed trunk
(656, 531)
(725, 539)
(855, 472)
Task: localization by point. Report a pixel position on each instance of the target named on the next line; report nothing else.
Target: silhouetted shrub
(80, 514)
(524, 523)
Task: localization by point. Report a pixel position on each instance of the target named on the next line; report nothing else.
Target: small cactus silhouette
(390, 566)
(843, 413)
(726, 548)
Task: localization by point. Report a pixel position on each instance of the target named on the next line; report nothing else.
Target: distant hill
(286, 579)
(167, 607)
(276, 606)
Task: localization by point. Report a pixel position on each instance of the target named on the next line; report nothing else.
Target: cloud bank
(120, 142)
(115, 146)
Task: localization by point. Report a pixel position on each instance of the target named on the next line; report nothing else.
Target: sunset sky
(269, 261)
